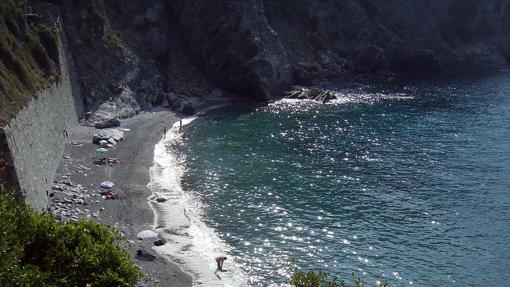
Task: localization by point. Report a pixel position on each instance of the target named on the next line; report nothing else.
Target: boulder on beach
(160, 242)
(114, 134)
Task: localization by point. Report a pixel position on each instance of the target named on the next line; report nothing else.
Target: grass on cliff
(28, 58)
(36, 250)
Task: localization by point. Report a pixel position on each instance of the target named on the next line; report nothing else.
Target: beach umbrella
(101, 150)
(147, 234)
(107, 184)
(103, 142)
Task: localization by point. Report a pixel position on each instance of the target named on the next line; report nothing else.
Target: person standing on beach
(180, 124)
(219, 262)
(164, 132)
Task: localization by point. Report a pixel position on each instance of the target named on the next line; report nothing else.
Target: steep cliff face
(331, 39)
(235, 45)
(413, 37)
(144, 53)
(129, 56)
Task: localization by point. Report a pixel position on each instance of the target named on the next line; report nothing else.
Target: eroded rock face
(235, 44)
(252, 47)
(166, 51)
(121, 106)
(404, 36)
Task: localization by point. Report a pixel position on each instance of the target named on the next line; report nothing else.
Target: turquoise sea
(409, 183)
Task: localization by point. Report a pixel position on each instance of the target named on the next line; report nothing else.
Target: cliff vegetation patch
(28, 57)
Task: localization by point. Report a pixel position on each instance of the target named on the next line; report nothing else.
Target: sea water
(406, 183)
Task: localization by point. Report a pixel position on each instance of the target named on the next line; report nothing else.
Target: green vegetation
(36, 250)
(28, 58)
(111, 39)
(322, 279)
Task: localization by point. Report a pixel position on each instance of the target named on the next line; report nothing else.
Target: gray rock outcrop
(121, 106)
(318, 95)
(109, 135)
(169, 51)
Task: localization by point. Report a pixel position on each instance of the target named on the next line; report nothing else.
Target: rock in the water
(161, 199)
(160, 242)
(318, 95)
(107, 123)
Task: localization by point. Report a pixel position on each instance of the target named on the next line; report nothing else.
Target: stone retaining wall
(36, 136)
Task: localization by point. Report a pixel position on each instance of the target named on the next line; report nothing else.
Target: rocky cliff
(129, 55)
(261, 45)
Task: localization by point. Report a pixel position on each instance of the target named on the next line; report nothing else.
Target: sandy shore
(76, 196)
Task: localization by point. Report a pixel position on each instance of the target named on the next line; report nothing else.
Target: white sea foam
(342, 98)
(191, 243)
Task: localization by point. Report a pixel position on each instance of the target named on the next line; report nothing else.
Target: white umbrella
(107, 184)
(147, 234)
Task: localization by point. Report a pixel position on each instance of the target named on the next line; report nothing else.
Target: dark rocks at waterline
(318, 95)
(160, 242)
(161, 199)
(180, 104)
(187, 109)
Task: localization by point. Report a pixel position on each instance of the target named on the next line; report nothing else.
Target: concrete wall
(36, 136)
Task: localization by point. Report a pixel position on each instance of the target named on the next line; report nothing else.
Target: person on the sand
(219, 262)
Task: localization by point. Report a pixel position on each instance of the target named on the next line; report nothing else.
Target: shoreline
(178, 219)
(75, 193)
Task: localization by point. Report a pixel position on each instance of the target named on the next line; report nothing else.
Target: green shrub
(36, 250)
(322, 279)
(112, 39)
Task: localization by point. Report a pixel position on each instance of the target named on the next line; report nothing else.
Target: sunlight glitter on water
(385, 183)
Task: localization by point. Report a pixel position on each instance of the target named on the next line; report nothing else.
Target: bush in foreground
(36, 250)
(322, 279)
